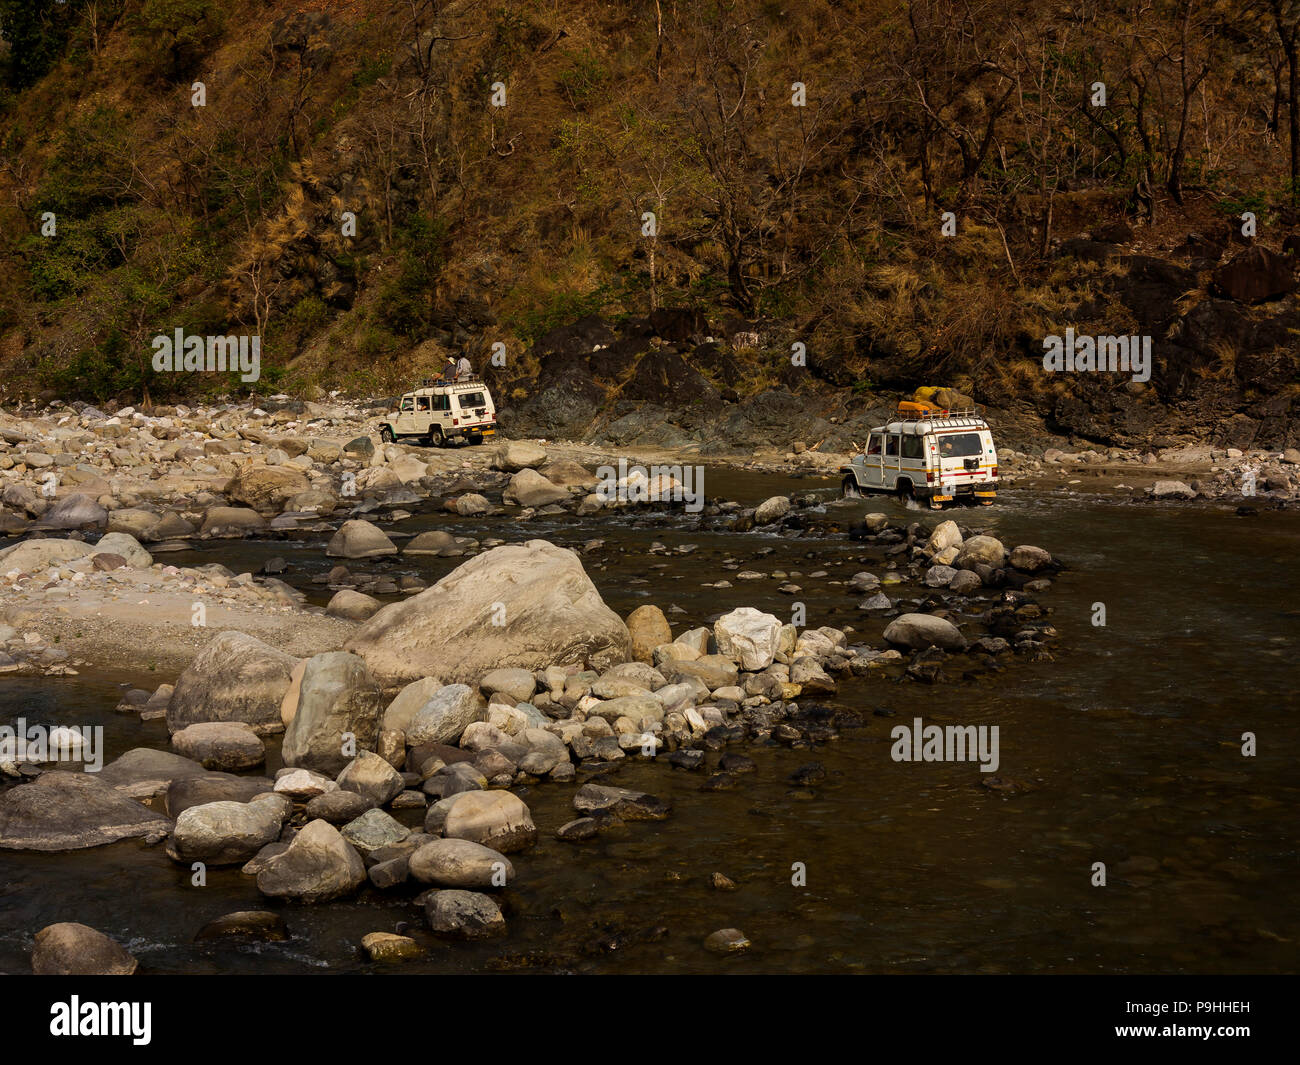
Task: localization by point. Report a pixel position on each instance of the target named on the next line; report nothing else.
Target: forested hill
(672, 207)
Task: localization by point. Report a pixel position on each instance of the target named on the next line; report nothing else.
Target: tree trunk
(1293, 77)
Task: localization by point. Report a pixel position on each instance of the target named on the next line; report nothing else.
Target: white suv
(933, 454)
(439, 413)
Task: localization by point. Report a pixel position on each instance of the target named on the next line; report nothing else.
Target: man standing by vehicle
(463, 369)
(448, 370)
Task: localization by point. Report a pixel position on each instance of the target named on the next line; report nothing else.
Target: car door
(406, 416)
(913, 458)
(889, 463)
(960, 458)
(873, 473)
(442, 411)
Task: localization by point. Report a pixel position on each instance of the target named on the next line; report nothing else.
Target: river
(1125, 750)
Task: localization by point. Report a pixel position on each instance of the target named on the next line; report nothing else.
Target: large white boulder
(522, 605)
(749, 637)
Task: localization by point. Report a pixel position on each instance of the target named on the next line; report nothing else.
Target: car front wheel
(386, 434)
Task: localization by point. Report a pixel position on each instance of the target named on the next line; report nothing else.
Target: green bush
(406, 300)
(181, 31)
(560, 308)
(375, 341)
(37, 32)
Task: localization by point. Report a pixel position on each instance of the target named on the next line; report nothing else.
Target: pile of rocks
(511, 670)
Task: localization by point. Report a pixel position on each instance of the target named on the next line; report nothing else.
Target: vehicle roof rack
(920, 412)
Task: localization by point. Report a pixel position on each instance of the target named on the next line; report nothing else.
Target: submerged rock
(620, 802)
(727, 941)
(69, 811)
(387, 947)
(261, 925)
(71, 949)
(464, 914)
(918, 631)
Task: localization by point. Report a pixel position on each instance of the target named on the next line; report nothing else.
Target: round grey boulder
(448, 712)
(359, 539)
(464, 915)
(318, 866)
(369, 775)
(919, 631)
(351, 605)
(221, 745)
(459, 863)
(227, 833)
(71, 949)
(496, 819)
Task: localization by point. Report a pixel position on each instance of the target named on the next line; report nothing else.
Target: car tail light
(455, 421)
(929, 476)
(995, 471)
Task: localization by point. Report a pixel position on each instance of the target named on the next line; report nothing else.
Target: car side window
(912, 447)
(408, 403)
(442, 403)
(873, 445)
(891, 446)
(421, 402)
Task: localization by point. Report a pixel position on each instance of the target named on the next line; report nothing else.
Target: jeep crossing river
(933, 454)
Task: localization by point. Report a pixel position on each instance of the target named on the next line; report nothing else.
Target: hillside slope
(691, 221)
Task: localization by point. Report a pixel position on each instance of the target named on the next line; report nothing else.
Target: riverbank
(179, 473)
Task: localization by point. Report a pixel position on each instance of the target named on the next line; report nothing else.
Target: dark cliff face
(1222, 372)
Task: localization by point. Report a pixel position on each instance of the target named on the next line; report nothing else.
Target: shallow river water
(1126, 750)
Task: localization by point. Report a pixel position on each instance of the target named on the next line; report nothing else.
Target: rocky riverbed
(509, 672)
(413, 721)
(178, 473)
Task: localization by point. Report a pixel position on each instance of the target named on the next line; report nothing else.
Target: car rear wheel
(905, 489)
(434, 439)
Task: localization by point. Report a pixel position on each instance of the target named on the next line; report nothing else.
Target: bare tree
(1286, 22)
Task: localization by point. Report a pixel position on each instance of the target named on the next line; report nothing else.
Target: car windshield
(960, 445)
(471, 399)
